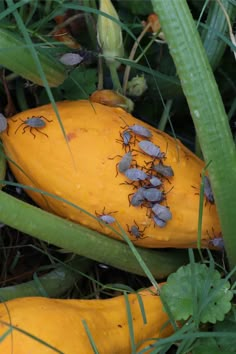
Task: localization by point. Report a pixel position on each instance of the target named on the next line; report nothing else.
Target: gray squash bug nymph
(36, 123)
(137, 198)
(208, 191)
(217, 242)
(3, 123)
(135, 174)
(106, 217)
(163, 170)
(125, 139)
(155, 181)
(125, 162)
(135, 231)
(140, 130)
(158, 222)
(151, 149)
(153, 195)
(162, 212)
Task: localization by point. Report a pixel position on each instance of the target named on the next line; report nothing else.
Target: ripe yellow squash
(61, 324)
(84, 170)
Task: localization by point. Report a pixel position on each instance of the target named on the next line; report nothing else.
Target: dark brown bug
(36, 123)
(135, 231)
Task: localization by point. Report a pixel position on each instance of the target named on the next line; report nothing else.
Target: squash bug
(3, 123)
(34, 123)
(158, 222)
(125, 139)
(137, 198)
(137, 129)
(162, 212)
(163, 170)
(135, 231)
(151, 149)
(135, 174)
(125, 162)
(153, 195)
(208, 191)
(216, 241)
(106, 217)
(155, 181)
(140, 130)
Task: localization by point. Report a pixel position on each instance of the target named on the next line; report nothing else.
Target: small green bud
(137, 86)
(109, 33)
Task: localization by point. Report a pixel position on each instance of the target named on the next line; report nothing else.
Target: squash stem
(207, 110)
(85, 242)
(114, 77)
(54, 283)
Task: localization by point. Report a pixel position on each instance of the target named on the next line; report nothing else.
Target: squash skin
(86, 174)
(59, 323)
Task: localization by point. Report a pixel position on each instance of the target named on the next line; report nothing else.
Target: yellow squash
(61, 324)
(84, 172)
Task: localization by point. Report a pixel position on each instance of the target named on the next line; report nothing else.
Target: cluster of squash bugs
(146, 180)
(33, 123)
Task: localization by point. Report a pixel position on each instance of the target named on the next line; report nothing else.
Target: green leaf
(196, 285)
(80, 84)
(228, 325)
(207, 346)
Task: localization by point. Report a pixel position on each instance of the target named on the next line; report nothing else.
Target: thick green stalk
(206, 108)
(85, 242)
(54, 283)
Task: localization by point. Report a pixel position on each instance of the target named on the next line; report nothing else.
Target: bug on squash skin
(153, 195)
(135, 231)
(125, 162)
(106, 217)
(151, 149)
(158, 222)
(155, 181)
(207, 190)
(3, 123)
(137, 129)
(125, 140)
(34, 123)
(216, 241)
(140, 130)
(162, 212)
(137, 197)
(135, 174)
(163, 170)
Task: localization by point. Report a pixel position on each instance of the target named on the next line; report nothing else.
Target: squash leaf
(226, 343)
(207, 346)
(198, 291)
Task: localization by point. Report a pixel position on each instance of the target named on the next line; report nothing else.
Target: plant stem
(165, 115)
(54, 283)
(114, 76)
(207, 110)
(131, 57)
(85, 242)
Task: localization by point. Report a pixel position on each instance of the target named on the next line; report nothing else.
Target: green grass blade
(91, 340)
